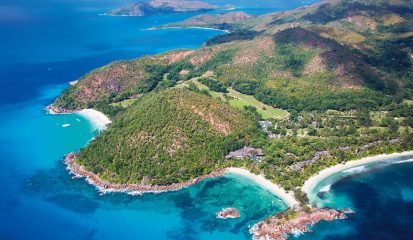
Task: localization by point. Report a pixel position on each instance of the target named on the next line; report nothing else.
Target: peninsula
(159, 7)
(301, 90)
(224, 21)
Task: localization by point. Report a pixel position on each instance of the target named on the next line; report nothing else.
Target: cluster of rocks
(228, 213)
(57, 110)
(279, 226)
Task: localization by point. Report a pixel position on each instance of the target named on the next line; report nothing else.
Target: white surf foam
(326, 188)
(355, 169)
(404, 161)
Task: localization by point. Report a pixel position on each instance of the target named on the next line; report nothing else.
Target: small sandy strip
(288, 198)
(98, 119)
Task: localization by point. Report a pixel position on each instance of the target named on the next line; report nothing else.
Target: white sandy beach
(98, 119)
(313, 181)
(288, 198)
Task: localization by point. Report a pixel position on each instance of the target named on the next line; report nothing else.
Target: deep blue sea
(44, 44)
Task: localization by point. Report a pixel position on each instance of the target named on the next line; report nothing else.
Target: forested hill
(167, 137)
(342, 69)
(224, 21)
(314, 57)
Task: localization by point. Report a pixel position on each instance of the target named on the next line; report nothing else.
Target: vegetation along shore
(281, 98)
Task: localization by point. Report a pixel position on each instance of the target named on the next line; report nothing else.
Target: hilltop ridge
(342, 69)
(159, 7)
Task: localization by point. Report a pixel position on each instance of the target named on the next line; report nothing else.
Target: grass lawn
(240, 100)
(125, 103)
(410, 102)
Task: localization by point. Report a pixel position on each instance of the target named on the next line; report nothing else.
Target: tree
(393, 127)
(312, 131)
(301, 197)
(283, 131)
(409, 121)
(363, 117)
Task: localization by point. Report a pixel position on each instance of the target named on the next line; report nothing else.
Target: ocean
(45, 44)
(381, 194)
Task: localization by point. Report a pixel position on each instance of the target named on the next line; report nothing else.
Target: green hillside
(311, 58)
(224, 21)
(334, 79)
(167, 137)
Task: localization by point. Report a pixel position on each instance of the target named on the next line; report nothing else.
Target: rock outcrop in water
(228, 213)
(294, 221)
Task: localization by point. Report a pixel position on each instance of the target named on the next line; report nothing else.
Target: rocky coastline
(228, 213)
(51, 109)
(105, 187)
(294, 221)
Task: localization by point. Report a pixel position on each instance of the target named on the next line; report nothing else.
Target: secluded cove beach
(286, 197)
(312, 182)
(98, 119)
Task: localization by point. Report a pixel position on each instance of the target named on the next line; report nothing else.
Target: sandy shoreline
(98, 119)
(313, 181)
(287, 198)
(104, 187)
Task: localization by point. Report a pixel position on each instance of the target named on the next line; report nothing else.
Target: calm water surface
(46, 43)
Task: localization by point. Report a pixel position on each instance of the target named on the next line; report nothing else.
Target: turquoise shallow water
(42, 198)
(47, 43)
(44, 45)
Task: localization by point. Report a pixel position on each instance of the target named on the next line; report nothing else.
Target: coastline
(136, 189)
(98, 119)
(286, 197)
(323, 174)
(189, 27)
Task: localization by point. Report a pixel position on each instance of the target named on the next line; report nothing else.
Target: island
(293, 222)
(287, 99)
(228, 213)
(160, 7)
(222, 21)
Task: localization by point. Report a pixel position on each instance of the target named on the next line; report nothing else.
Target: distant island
(282, 97)
(223, 21)
(159, 7)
